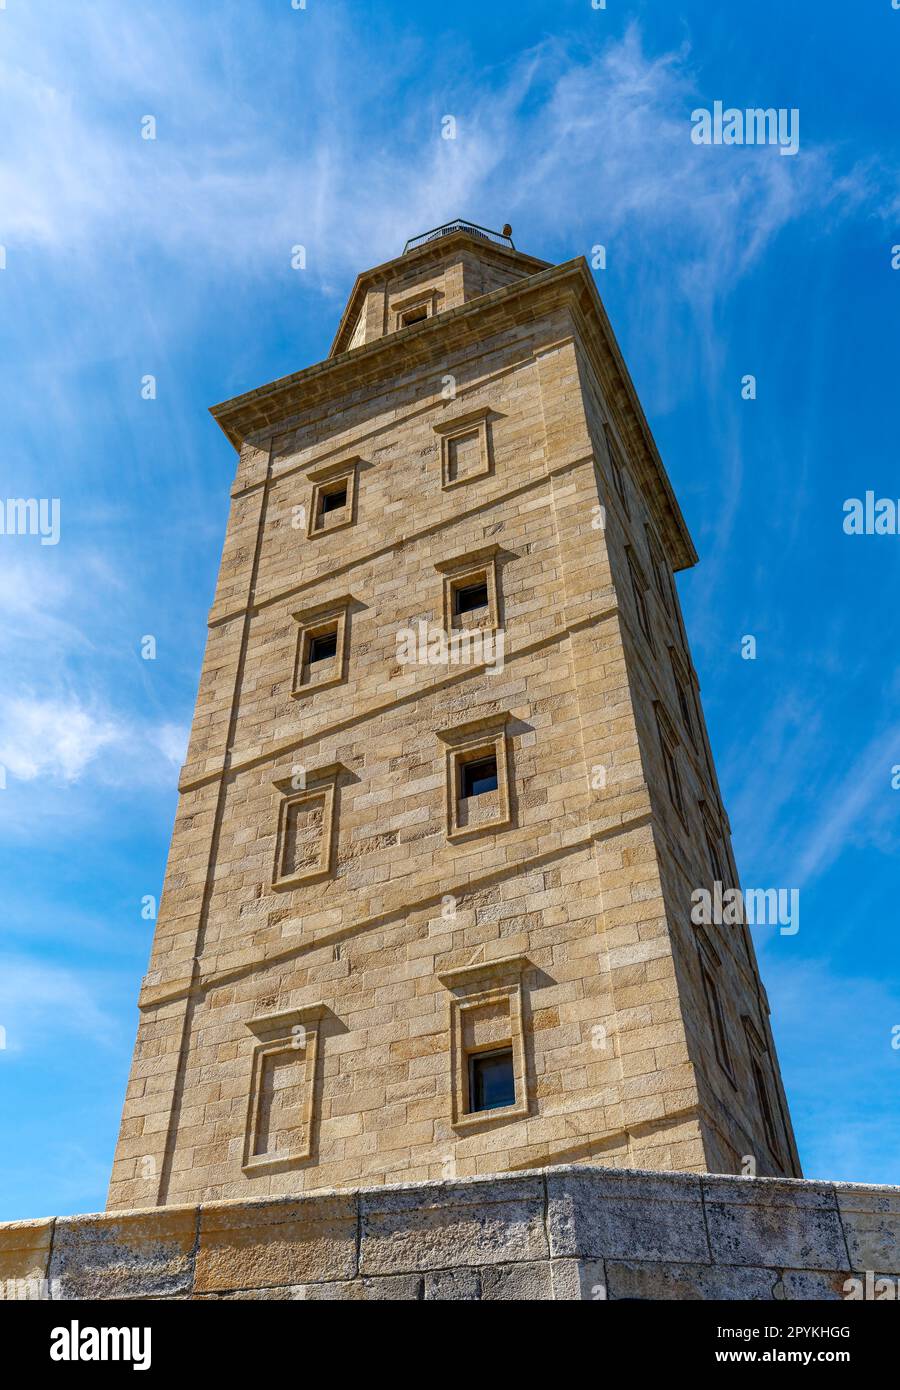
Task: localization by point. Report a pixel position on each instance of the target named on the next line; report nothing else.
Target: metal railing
(459, 225)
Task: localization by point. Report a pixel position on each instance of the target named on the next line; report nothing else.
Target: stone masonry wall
(692, 844)
(569, 885)
(319, 887)
(571, 1233)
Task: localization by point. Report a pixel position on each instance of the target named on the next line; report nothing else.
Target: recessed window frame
(685, 694)
(326, 480)
(464, 570)
(409, 304)
(761, 1070)
(277, 1035)
(470, 743)
(476, 422)
(617, 468)
(668, 742)
(659, 565)
(710, 966)
(713, 836)
(482, 987)
(639, 593)
(319, 786)
(330, 615)
(716, 831)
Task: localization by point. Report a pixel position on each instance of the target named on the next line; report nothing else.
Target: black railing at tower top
(459, 225)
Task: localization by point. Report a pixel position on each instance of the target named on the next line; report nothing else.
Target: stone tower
(448, 790)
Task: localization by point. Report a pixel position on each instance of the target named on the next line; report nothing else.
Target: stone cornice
(270, 407)
(458, 976)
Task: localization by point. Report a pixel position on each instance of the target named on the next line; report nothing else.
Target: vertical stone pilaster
(151, 1109)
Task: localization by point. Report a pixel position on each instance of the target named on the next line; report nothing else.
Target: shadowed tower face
(427, 911)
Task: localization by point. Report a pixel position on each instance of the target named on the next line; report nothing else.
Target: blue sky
(275, 127)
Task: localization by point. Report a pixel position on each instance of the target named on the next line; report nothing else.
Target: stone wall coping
(551, 1233)
(583, 1170)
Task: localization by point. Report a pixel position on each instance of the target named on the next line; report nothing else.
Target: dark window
(615, 464)
(712, 847)
(673, 604)
(479, 776)
(661, 572)
(760, 1067)
(322, 647)
(672, 779)
(720, 1037)
(685, 709)
(468, 598)
(684, 703)
(492, 1083)
(334, 500)
(762, 1094)
(414, 315)
(640, 598)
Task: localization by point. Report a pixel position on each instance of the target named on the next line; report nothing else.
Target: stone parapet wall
(572, 1233)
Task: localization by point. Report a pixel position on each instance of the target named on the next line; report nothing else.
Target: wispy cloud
(60, 738)
(65, 709)
(839, 1026)
(800, 801)
(603, 135)
(172, 742)
(851, 811)
(51, 738)
(42, 1005)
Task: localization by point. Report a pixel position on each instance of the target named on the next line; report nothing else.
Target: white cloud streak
(601, 140)
(60, 738)
(52, 738)
(840, 1027)
(44, 1005)
(851, 805)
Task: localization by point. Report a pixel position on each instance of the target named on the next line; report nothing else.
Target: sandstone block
(435, 1227)
(621, 1215)
(871, 1221)
(775, 1223)
(262, 1244)
(141, 1254)
(24, 1253)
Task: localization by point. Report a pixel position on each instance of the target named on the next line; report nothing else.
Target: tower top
(459, 224)
(457, 261)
